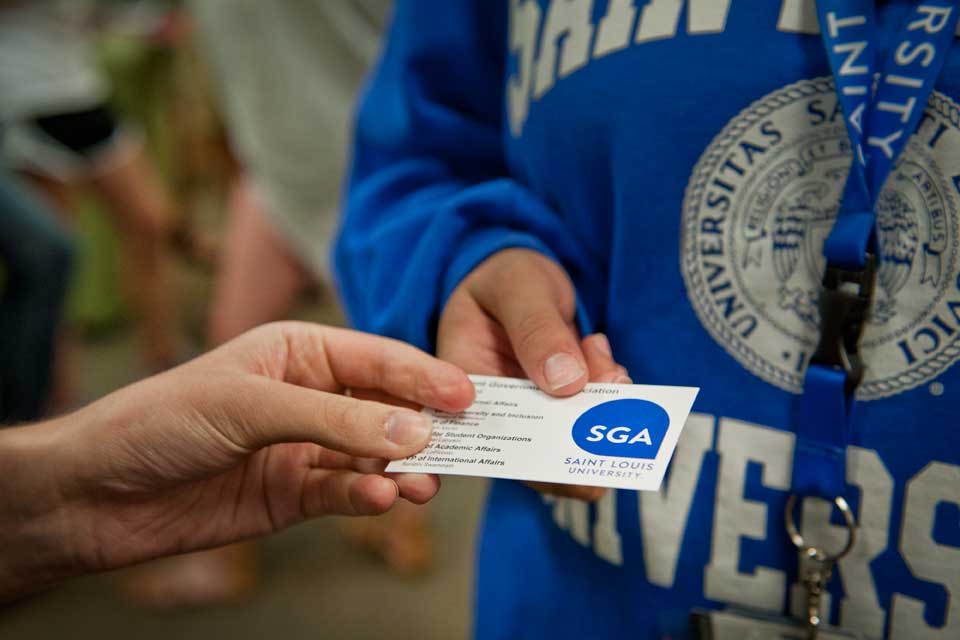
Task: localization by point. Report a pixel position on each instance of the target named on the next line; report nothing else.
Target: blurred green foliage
(95, 302)
(140, 75)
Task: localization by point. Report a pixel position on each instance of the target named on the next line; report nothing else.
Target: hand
(244, 441)
(514, 316)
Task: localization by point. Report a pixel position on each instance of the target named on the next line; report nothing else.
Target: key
(816, 569)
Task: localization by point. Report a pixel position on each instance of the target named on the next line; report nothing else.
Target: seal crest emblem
(761, 201)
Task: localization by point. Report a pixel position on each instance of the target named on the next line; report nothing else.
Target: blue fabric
(823, 431)
(459, 201)
(853, 21)
(907, 76)
(884, 123)
(849, 240)
(36, 257)
(849, 37)
(686, 181)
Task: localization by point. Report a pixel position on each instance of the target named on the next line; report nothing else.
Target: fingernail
(622, 380)
(603, 344)
(561, 369)
(408, 427)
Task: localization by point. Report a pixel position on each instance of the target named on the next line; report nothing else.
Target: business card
(609, 435)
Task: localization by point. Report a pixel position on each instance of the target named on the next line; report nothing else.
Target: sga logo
(630, 428)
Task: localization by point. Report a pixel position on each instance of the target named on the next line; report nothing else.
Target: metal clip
(816, 564)
(816, 570)
(844, 304)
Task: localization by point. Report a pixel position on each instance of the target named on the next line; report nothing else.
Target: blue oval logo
(628, 428)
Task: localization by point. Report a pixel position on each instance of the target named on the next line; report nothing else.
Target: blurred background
(169, 178)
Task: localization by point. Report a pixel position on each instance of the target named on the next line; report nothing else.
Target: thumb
(278, 412)
(534, 302)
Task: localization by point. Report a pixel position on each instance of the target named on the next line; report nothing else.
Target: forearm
(34, 548)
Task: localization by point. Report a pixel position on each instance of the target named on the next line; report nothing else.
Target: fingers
(372, 362)
(347, 493)
(473, 340)
(382, 396)
(351, 493)
(533, 299)
(266, 412)
(330, 359)
(418, 488)
(603, 368)
(599, 356)
(587, 494)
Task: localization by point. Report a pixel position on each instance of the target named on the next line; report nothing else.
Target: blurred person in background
(287, 75)
(62, 134)
(35, 264)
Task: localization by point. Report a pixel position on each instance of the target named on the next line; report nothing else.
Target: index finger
(363, 361)
(331, 359)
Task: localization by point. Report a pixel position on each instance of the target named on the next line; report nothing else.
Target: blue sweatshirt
(684, 162)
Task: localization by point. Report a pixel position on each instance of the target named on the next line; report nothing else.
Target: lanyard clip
(844, 304)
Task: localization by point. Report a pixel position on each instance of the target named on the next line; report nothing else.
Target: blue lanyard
(882, 110)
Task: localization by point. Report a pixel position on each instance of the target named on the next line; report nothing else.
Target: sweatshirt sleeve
(429, 195)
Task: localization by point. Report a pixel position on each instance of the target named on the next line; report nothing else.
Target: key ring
(800, 543)
(816, 573)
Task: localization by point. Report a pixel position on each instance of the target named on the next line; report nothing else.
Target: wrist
(34, 548)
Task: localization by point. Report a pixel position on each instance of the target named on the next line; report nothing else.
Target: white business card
(608, 435)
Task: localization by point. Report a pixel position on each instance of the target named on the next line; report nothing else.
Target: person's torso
(698, 151)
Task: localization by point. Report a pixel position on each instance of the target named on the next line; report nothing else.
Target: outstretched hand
(249, 439)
